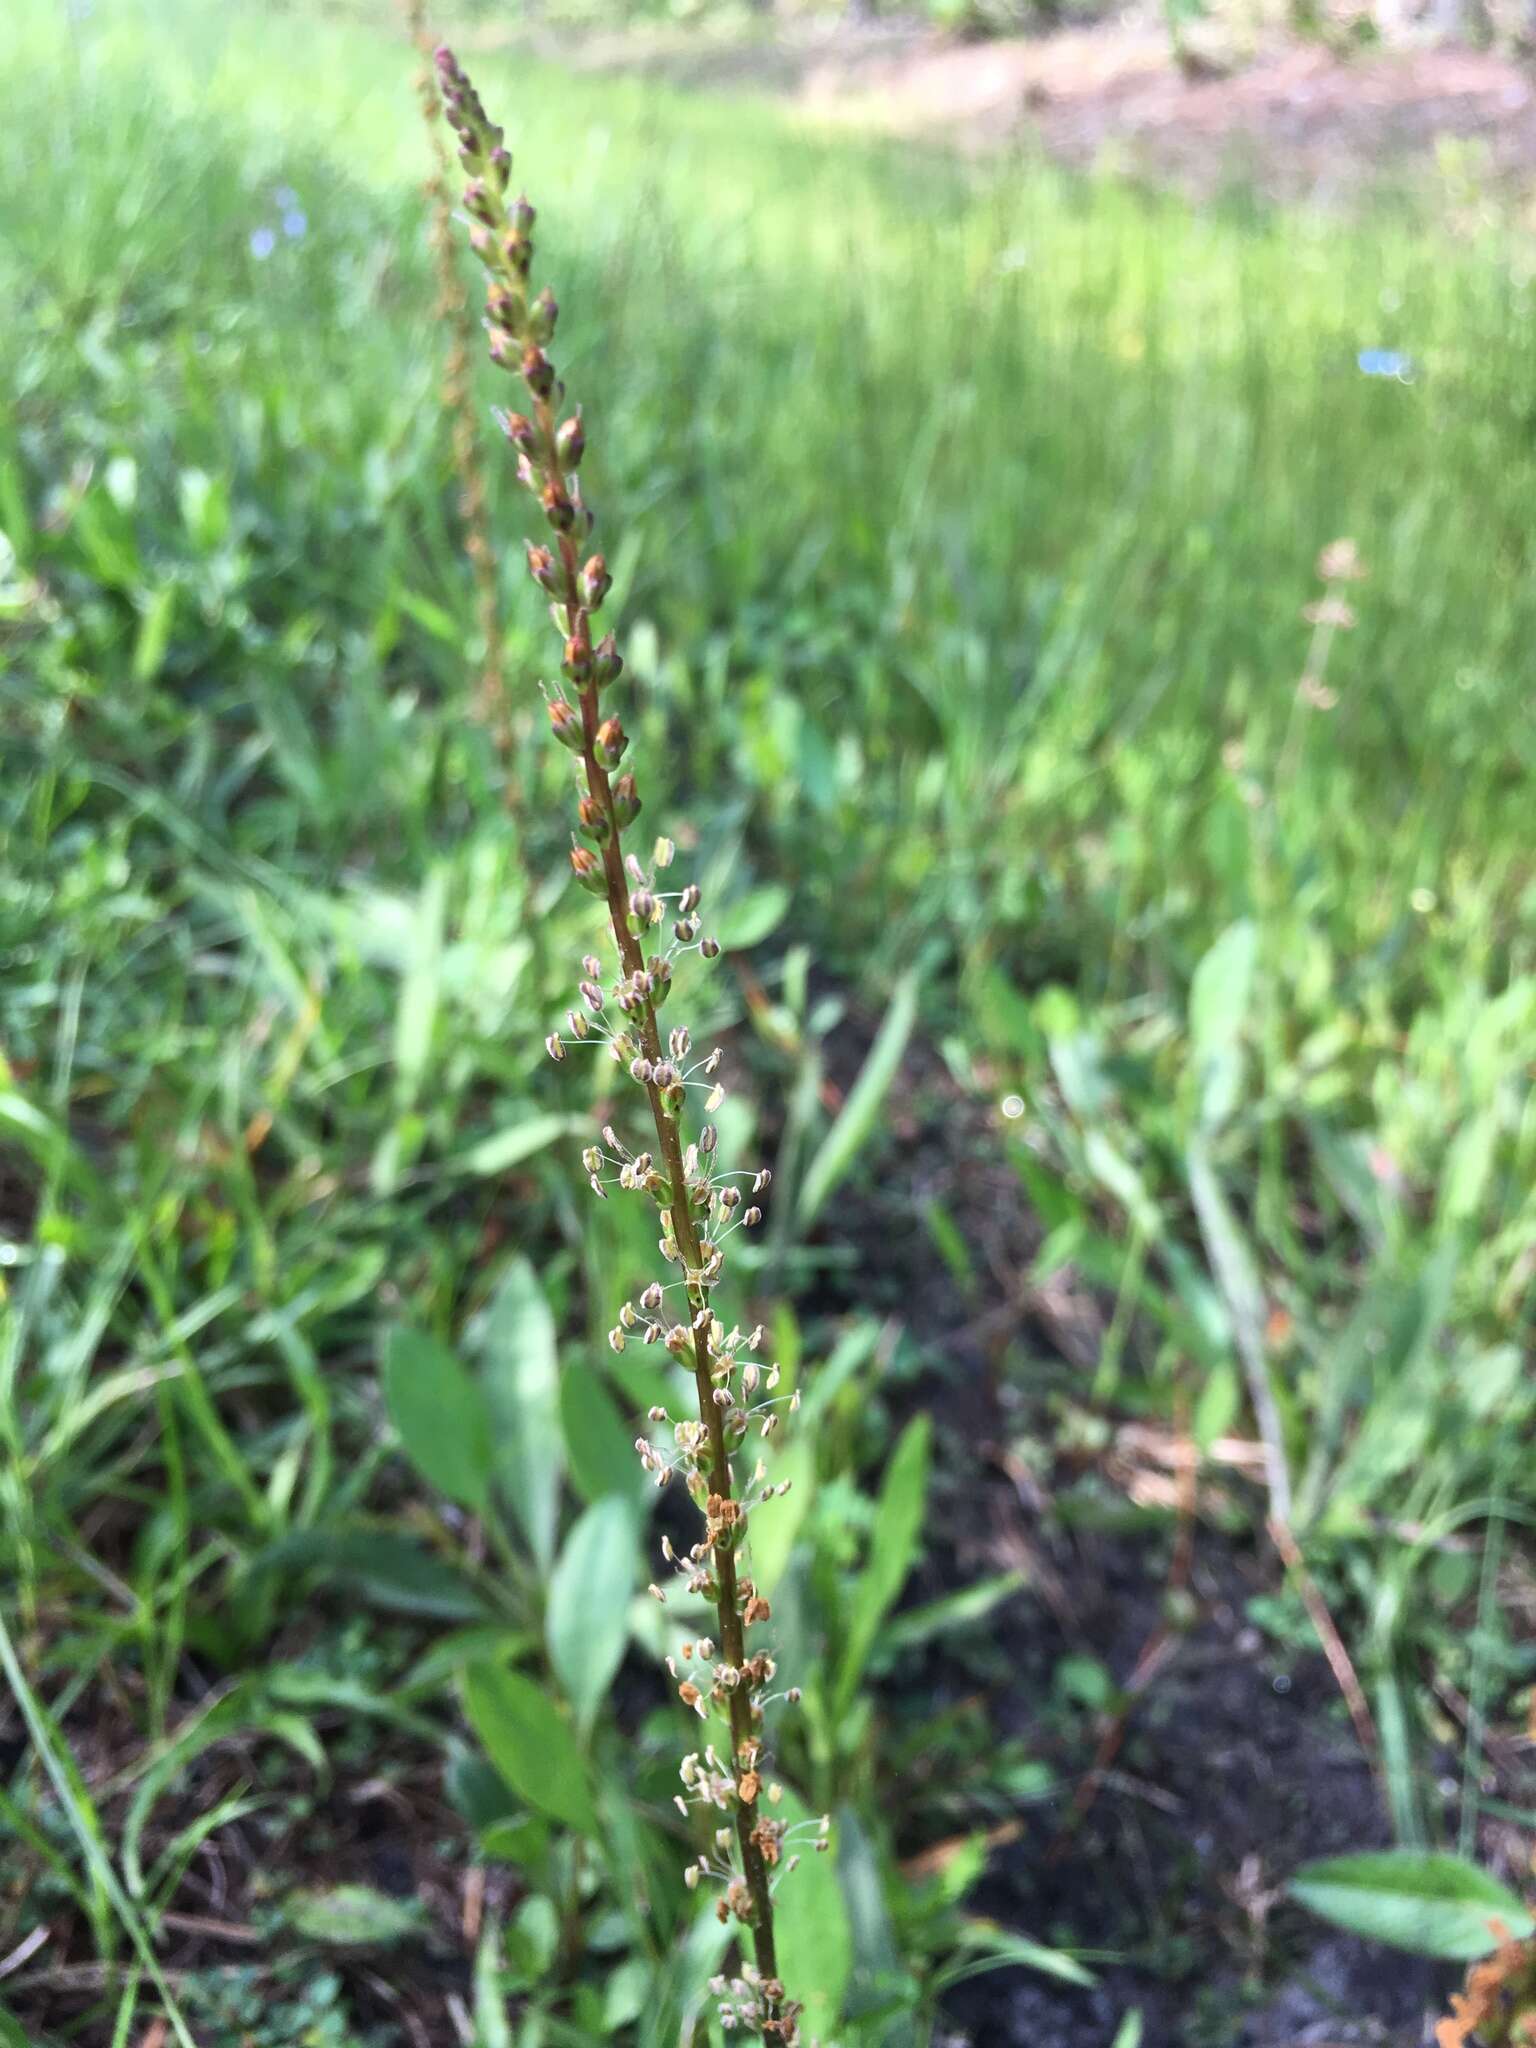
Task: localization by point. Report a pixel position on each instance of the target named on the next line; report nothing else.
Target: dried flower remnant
(730, 1682)
(1497, 2009)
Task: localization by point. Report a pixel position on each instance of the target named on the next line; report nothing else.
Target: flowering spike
(728, 1686)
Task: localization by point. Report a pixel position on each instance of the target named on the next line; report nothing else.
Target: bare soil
(1291, 120)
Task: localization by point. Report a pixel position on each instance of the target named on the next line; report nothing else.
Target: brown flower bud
(577, 661)
(571, 441)
(642, 909)
(522, 433)
(541, 567)
(538, 371)
(626, 800)
(595, 582)
(607, 662)
(595, 821)
(610, 743)
(565, 722)
(588, 870)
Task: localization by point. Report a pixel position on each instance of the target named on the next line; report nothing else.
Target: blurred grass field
(963, 517)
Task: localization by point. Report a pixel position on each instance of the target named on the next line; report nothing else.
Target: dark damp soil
(1235, 1763)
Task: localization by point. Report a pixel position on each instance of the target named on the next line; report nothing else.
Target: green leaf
(443, 1417)
(421, 989)
(530, 1744)
(951, 1611)
(1219, 999)
(1427, 1903)
(515, 1340)
(776, 1525)
(861, 1112)
(813, 1934)
(352, 1916)
(1004, 1949)
(492, 2027)
(386, 1567)
(892, 1547)
(750, 919)
(587, 1621)
(600, 1449)
(502, 1150)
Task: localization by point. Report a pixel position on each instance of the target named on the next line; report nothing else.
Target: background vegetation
(1143, 1042)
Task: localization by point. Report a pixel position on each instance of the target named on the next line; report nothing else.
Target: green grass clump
(969, 514)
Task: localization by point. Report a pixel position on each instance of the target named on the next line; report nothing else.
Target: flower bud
(688, 902)
(553, 1046)
(577, 661)
(571, 441)
(518, 251)
(478, 203)
(565, 723)
(542, 315)
(610, 743)
(501, 167)
(595, 580)
(541, 567)
(626, 800)
(642, 909)
(607, 662)
(591, 995)
(588, 870)
(710, 948)
(595, 821)
(522, 433)
(558, 509)
(640, 1069)
(538, 371)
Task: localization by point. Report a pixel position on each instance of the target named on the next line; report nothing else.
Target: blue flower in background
(285, 197)
(263, 242)
(1385, 362)
(295, 223)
